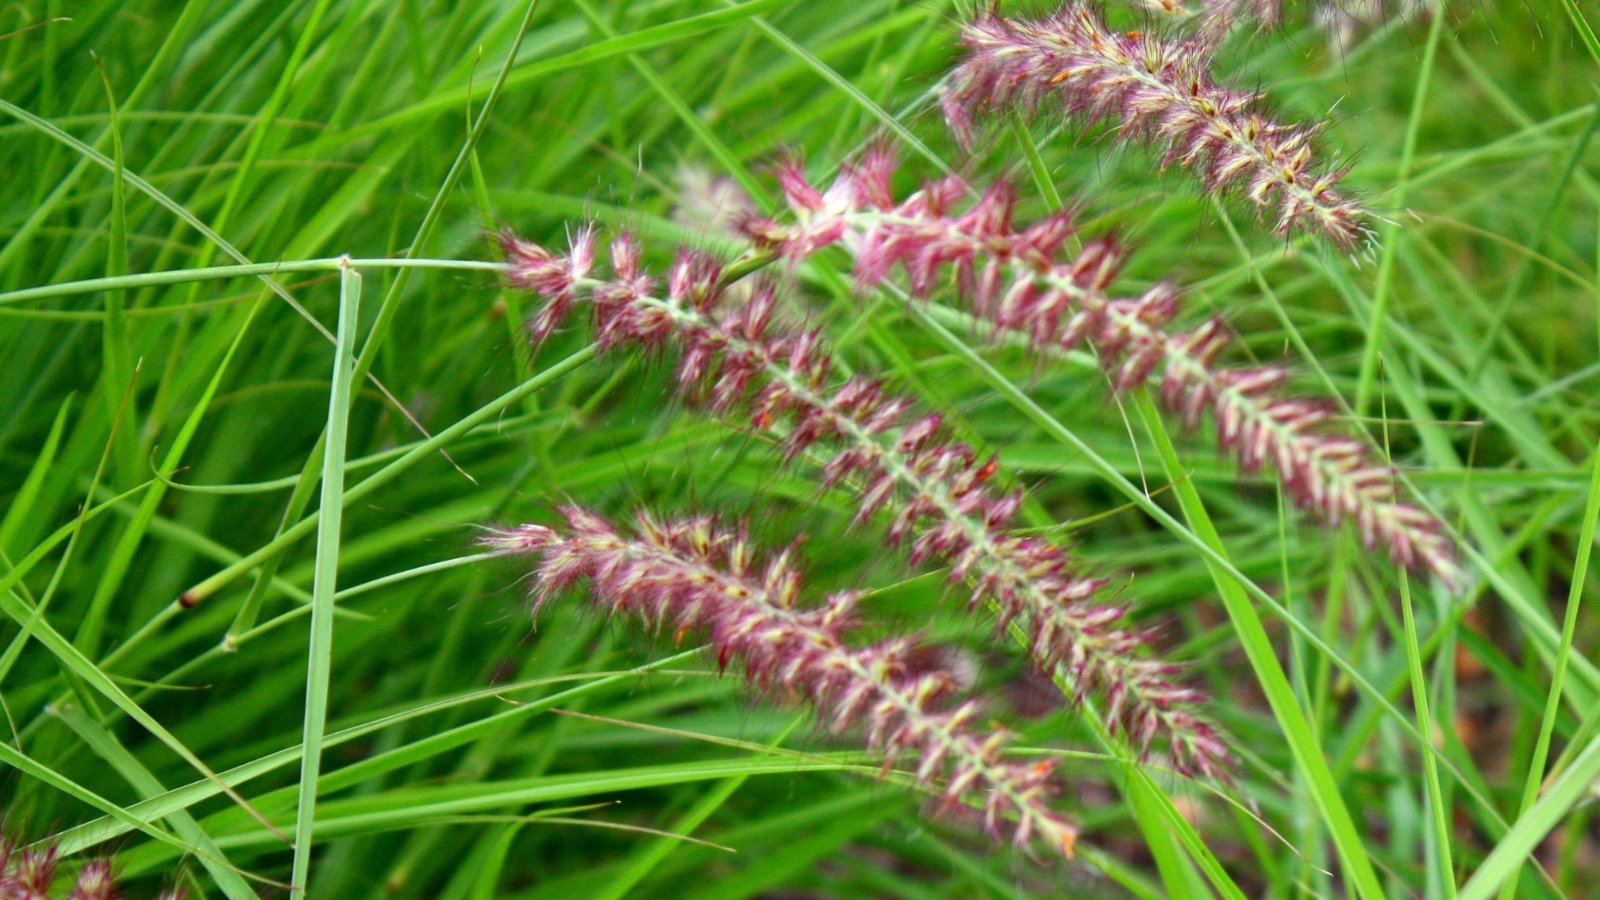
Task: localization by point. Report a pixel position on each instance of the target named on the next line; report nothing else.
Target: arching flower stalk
(1158, 89)
(939, 493)
(1019, 281)
(694, 576)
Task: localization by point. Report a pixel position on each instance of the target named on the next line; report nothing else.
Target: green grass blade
(1303, 741)
(1438, 815)
(107, 747)
(450, 101)
(826, 73)
(186, 796)
(652, 855)
(1569, 625)
(1585, 31)
(14, 758)
(1390, 236)
(319, 668)
(1512, 852)
(115, 340)
(392, 471)
(21, 505)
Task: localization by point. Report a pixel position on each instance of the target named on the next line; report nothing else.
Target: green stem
(222, 273)
(1391, 231)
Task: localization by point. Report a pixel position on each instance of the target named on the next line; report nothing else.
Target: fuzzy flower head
(25, 873)
(1159, 90)
(694, 576)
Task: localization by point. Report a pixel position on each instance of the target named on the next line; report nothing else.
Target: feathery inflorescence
(694, 576)
(1157, 88)
(939, 492)
(1020, 281)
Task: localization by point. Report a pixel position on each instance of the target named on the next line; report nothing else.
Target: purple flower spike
(692, 576)
(1017, 280)
(937, 494)
(1158, 89)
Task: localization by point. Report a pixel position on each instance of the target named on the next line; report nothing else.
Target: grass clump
(949, 376)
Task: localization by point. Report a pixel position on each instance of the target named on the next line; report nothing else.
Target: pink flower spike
(938, 493)
(1058, 304)
(1160, 90)
(693, 575)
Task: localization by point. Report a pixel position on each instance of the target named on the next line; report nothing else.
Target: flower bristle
(1212, 20)
(1017, 280)
(938, 494)
(1217, 16)
(694, 576)
(1157, 89)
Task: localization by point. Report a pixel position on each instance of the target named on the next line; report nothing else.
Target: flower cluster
(1019, 281)
(694, 576)
(1160, 89)
(28, 874)
(939, 492)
